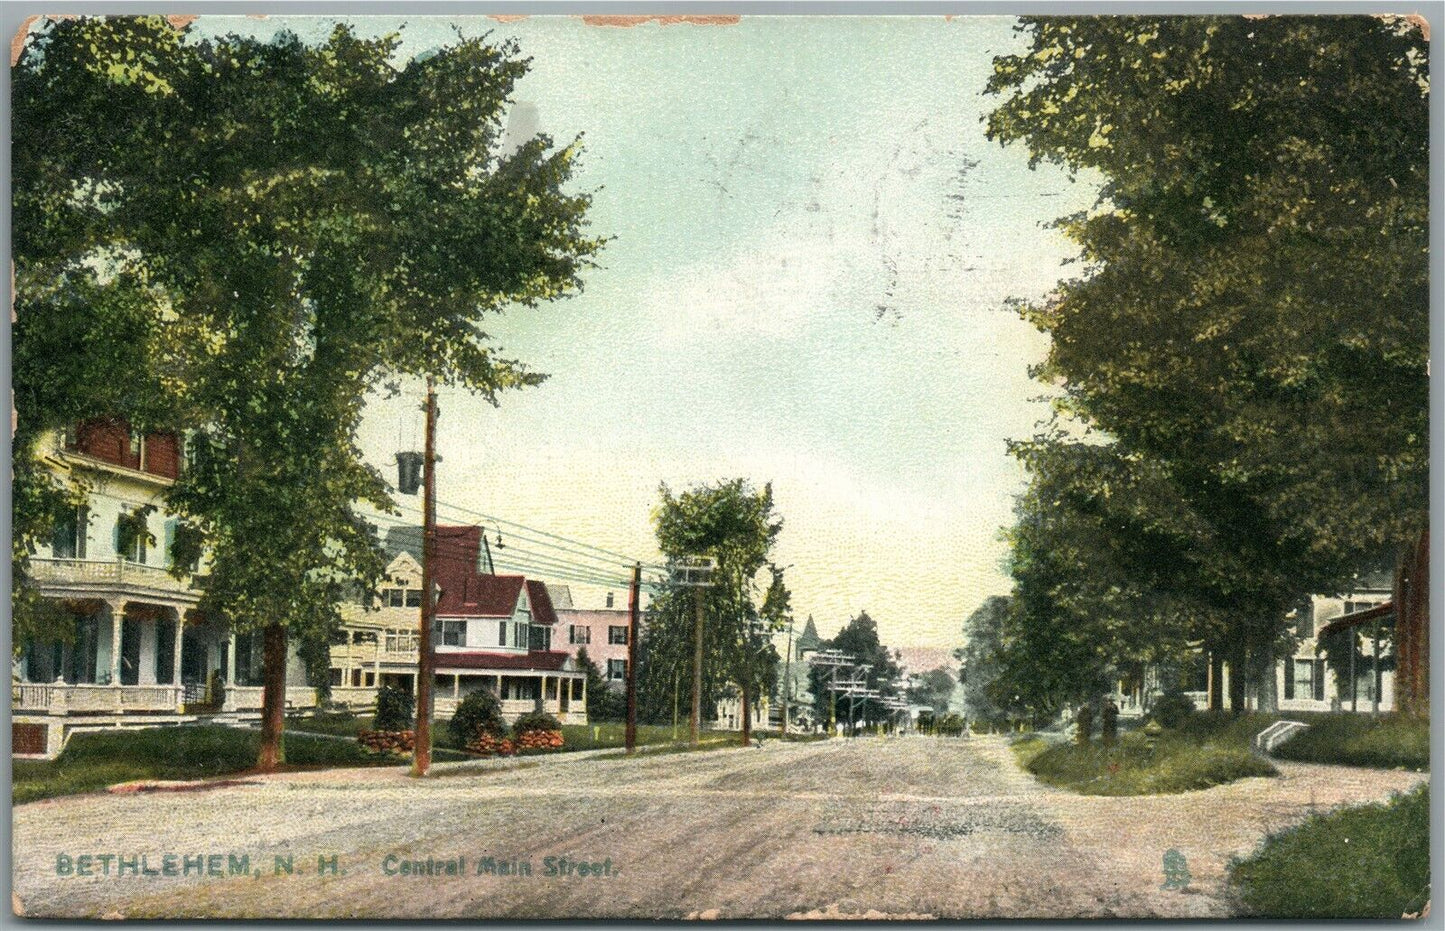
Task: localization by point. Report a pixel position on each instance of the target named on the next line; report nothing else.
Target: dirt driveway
(902, 826)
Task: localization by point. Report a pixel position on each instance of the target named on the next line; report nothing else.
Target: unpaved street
(914, 826)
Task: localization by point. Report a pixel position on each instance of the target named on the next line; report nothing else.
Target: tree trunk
(1216, 681)
(1412, 628)
(747, 714)
(273, 697)
(1238, 665)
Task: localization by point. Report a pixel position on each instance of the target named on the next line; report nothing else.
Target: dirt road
(904, 826)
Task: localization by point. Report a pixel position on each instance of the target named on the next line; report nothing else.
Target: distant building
(1305, 680)
(603, 633)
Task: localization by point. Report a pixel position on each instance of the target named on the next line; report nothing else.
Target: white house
(141, 653)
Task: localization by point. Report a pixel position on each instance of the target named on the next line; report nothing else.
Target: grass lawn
(1178, 763)
(1372, 861)
(98, 759)
(1393, 741)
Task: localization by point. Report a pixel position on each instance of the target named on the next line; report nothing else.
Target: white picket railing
(105, 572)
(60, 698)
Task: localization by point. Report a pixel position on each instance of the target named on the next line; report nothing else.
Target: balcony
(71, 577)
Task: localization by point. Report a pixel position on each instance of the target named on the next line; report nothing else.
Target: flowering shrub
(387, 741)
(488, 744)
(540, 740)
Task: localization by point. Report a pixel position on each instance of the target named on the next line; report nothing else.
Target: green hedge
(1371, 861)
(1130, 767)
(1358, 740)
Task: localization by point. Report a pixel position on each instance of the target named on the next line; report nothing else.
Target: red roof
(542, 611)
(545, 661)
(466, 591)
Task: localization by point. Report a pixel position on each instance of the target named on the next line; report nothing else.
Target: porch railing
(105, 572)
(63, 698)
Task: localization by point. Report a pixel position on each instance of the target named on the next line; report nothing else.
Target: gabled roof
(541, 599)
(465, 590)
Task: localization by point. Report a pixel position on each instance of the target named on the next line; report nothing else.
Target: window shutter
(1289, 680)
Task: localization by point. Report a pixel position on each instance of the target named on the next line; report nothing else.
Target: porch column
(231, 661)
(540, 703)
(176, 659)
(456, 686)
(499, 687)
(117, 618)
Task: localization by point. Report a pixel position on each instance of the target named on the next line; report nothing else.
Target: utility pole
(695, 723)
(421, 746)
(635, 595)
(787, 677)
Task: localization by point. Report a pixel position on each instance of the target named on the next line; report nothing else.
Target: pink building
(603, 632)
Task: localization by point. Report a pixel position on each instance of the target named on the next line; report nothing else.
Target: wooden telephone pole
(633, 606)
(421, 748)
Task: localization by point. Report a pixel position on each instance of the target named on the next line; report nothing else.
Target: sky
(812, 246)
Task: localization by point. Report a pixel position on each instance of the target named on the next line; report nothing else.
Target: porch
(562, 695)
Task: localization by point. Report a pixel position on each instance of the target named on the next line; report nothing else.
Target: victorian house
(494, 632)
(139, 653)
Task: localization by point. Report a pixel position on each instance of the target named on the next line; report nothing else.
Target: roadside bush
(535, 721)
(477, 714)
(1370, 861)
(1172, 709)
(537, 731)
(387, 741)
(488, 743)
(395, 710)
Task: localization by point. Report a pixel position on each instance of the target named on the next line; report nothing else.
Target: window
(539, 637)
(356, 678)
(616, 634)
(551, 694)
(340, 638)
(132, 537)
(369, 678)
(1308, 680)
(413, 598)
(576, 689)
(401, 641)
(580, 634)
(336, 677)
(364, 636)
(451, 633)
(617, 669)
(69, 540)
(519, 635)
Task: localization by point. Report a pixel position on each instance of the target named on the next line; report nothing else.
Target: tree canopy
(1249, 331)
(291, 225)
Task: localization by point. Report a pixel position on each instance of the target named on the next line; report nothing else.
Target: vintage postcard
(720, 467)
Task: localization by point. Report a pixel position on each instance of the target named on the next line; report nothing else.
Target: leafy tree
(980, 661)
(603, 703)
(1252, 314)
(934, 689)
(734, 524)
(311, 221)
